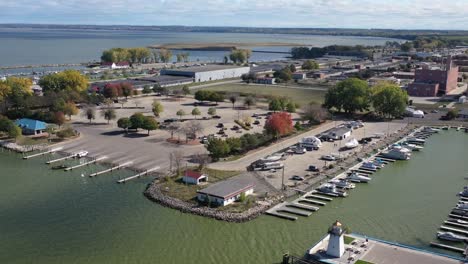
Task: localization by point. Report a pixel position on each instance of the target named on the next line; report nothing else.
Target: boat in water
(431, 129)
(378, 162)
(82, 154)
(450, 236)
(353, 143)
(411, 147)
(343, 184)
(356, 177)
(329, 188)
(464, 193)
(415, 140)
(59, 167)
(369, 166)
(397, 154)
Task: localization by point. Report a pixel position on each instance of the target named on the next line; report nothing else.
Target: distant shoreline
(226, 46)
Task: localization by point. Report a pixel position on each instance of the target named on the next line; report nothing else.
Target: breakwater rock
(153, 192)
(22, 149)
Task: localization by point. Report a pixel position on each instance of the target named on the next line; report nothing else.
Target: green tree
(310, 65)
(196, 112)
(165, 55)
(249, 101)
(407, 46)
(108, 114)
(217, 148)
(274, 105)
(451, 114)
(124, 123)
(186, 90)
(180, 113)
(283, 75)
(158, 108)
(389, 99)
(233, 100)
(292, 68)
(90, 113)
(291, 107)
(351, 95)
(14, 131)
(149, 124)
(137, 120)
(211, 111)
(147, 89)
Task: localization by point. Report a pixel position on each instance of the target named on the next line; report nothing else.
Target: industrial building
(208, 72)
(434, 81)
(226, 192)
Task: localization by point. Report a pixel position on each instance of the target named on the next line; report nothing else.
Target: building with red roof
(194, 177)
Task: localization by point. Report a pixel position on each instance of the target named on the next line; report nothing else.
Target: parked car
(235, 127)
(434, 111)
(170, 120)
(297, 178)
(216, 117)
(313, 168)
(220, 125)
(328, 157)
(256, 122)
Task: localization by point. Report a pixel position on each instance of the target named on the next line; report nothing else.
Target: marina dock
(454, 230)
(443, 246)
(111, 169)
(319, 197)
(86, 163)
(138, 175)
(43, 153)
(455, 224)
(60, 159)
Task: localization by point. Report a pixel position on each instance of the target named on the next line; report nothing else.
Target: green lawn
(363, 262)
(348, 240)
(301, 96)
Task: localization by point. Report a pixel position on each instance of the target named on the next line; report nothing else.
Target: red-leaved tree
(279, 124)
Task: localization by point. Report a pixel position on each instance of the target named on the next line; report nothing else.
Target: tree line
(353, 95)
(140, 55)
(315, 52)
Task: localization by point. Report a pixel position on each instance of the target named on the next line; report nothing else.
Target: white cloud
(297, 13)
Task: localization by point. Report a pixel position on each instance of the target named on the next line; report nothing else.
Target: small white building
(114, 66)
(299, 75)
(265, 80)
(462, 99)
(209, 72)
(226, 192)
(194, 177)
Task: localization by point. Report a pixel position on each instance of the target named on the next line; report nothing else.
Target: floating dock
(303, 206)
(319, 197)
(455, 224)
(452, 248)
(60, 159)
(86, 163)
(43, 153)
(454, 230)
(111, 169)
(458, 216)
(138, 175)
(311, 201)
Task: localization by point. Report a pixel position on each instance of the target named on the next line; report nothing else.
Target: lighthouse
(336, 240)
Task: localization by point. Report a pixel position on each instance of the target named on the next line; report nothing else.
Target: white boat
(356, 177)
(464, 193)
(397, 154)
(82, 153)
(411, 147)
(343, 184)
(313, 142)
(450, 236)
(462, 206)
(272, 158)
(369, 165)
(431, 130)
(329, 188)
(415, 140)
(378, 163)
(353, 143)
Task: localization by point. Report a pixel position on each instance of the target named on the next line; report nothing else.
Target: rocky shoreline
(22, 149)
(153, 192)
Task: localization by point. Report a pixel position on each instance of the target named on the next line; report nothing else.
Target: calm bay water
(48, 46)
(56, 217)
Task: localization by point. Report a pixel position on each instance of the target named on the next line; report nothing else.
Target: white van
(272, 165)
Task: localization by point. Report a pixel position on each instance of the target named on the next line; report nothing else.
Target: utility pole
(282, 180)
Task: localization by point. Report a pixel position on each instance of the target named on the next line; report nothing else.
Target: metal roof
(228, 188)
(31, 124)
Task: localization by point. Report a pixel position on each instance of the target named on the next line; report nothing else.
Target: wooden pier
(458, 216)
(43, 153)
(285, 216)
(305, 200)
(60, 159)
(454, 230)
(319, 197)
(84, 164)
(138, 175)
(455, 224)
(443, 246)
(303, 206)
(111, 169)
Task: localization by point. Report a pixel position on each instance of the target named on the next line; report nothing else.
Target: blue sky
(398, 14)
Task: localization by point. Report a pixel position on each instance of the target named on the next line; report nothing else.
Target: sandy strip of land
(219, 46)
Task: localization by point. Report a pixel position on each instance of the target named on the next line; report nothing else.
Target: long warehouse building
(209, 72)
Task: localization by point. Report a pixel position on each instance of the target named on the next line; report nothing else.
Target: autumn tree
(59, 118)
(70, 109)
(68, 80)
(279, 124)
(165, 55)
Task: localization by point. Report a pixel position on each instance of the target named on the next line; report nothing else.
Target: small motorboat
(356, 177)
(369, 165)
(329, 188)
(353, 143)
(59, 167)
(343, 184)
(82, 154)
(464, 193)
(451, 236)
